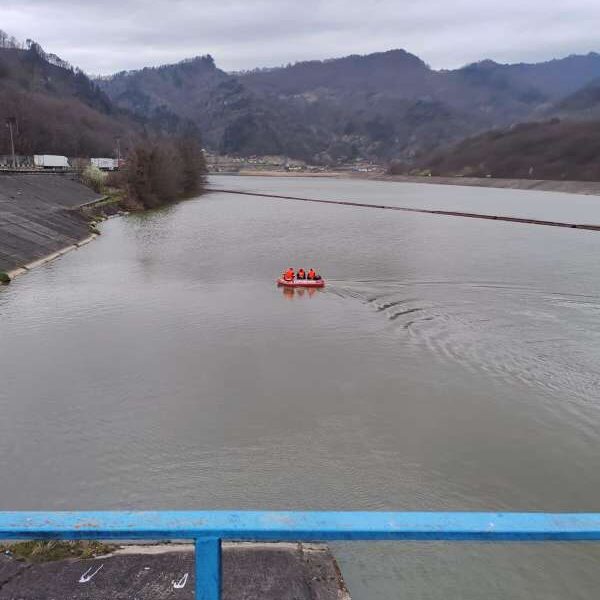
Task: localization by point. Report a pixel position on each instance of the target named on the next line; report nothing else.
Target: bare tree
(8, 41)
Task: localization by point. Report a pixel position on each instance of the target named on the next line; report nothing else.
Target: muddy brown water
(450, 364)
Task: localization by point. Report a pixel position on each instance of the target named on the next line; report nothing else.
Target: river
(450, 364)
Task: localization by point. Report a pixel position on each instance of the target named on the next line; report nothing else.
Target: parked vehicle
(51, 161)
(105, 164)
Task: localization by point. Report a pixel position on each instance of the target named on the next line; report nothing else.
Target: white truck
(50, 161)
(105, 164)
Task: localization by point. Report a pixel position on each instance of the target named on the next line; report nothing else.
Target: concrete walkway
(250, 572)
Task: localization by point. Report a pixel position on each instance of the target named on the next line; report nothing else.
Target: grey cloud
(108, 36)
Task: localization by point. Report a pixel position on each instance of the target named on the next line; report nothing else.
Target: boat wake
(550, 340)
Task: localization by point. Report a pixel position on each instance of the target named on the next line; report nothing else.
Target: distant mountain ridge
(378, 106)
(382, 106)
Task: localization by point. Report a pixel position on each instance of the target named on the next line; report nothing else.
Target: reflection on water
(299, 292)
(447, 364)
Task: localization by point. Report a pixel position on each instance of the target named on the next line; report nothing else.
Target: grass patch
(46, 551)
(113, 197)
(4, 278)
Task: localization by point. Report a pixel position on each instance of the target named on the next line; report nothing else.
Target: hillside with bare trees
(58, 109)
(555, 149)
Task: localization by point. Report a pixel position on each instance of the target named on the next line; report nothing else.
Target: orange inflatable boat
(310, 283)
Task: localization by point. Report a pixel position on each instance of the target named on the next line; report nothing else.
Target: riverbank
(588, 188)
(257, 173)
(43, 217)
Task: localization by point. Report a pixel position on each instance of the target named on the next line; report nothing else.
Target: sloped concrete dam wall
(39, 217)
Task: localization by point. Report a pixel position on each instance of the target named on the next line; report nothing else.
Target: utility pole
(118, 152)
(10, 121)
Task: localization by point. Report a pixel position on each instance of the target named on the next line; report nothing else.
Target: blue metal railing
(209, 528)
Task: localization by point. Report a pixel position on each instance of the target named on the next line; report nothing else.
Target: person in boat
(311, 274)
(301, 274)
(289, 275)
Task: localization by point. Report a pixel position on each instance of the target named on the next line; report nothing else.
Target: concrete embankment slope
(39, 216)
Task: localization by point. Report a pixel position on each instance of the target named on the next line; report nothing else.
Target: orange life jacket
(289, 275)
(311, 274)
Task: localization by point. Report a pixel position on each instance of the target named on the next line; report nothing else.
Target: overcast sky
(105, 36)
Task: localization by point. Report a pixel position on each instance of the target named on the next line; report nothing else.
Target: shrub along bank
(161, 171)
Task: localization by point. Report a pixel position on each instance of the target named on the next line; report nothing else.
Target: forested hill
(555, 149)
(231, 116)
(382, 106)
(58, 109)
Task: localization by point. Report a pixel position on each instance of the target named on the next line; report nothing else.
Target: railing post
(208, 569)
